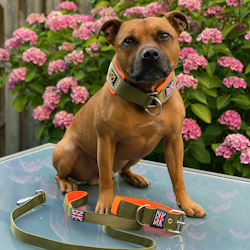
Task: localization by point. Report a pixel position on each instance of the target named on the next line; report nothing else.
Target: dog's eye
(128, 41)
(164, 36)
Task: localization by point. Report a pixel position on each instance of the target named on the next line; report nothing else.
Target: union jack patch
(112, 76)
(159, 218)
(169, 88)
(77, 214)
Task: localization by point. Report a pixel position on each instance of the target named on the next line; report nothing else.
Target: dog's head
(147, 50)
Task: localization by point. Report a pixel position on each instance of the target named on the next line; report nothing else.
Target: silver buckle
(24, 200)
(137, 212)
(152, 106)
(180, 223)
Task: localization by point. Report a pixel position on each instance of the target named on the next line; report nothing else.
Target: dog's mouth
(150, 75)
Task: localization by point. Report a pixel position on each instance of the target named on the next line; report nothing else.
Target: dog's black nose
(150, 54)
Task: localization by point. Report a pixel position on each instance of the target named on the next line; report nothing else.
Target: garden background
(55, 64)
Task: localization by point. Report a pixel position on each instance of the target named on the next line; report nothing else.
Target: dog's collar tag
(117, 85)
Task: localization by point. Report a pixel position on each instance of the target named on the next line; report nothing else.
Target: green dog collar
(118, 85)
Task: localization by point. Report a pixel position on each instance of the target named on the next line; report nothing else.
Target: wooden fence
(17, 129)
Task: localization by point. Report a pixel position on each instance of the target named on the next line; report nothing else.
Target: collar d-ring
(160, 104)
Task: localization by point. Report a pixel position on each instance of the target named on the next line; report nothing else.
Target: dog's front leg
(105, 160)
(173, 151)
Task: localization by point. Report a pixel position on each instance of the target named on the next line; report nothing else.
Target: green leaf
(191, 162)
(243, 125)
(210, 68)
(30, 73)
(39, 131)
(78, 74)
(215, 82)
(227, 29)
(200, 154)
(245, 170)
(93, 39)
(246, 45)
(228, 168)
(106, 48)
(20, 102)
(210, 92)
(237, 164)
(204, 79)
(247, 69)
(102, 3)
(77, 107)
(199, 142)
(215, 145)
(36, 86)
(3, 80)
(202, 111)
(248, 131)
(91, 69)
(214, 129)
(223, 101)
(186, 103)
(244, 13)
(199, 96)
(241, 100)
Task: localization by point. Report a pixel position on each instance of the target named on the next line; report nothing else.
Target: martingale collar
(117, 85)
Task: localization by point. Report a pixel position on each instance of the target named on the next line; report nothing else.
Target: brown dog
(111, 133)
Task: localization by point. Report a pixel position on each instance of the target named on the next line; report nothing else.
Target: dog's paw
(134, 179)
(66, 185)
(104, 204)
(191, 208)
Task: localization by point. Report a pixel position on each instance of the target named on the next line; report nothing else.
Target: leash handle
(42, 242)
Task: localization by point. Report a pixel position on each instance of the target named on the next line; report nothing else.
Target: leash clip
(152, 95)
(180, 222)
(24, 200)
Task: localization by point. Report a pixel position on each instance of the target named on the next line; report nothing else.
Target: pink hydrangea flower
(104, 19)
(79, 94)
(231, 118)
(95, 46)
(232, 143)
(185, 37)
(16, 76)
(83, 18)
(4, 55)
(152, 9)
(51, 97)
(235, 3)
(210, 35)
(12, 42)
(65, 83)
(187, 81)
(86, 30)
(103, 11)
(36, 18)
(57, 65)
(74, 57)
(155, 8)
(67, 46)
(63, 119)
(41, 113)
(235, 81)
(214, 11)
(66, 5)
(190, 129)
(187, 51)
(56, 20)
(34, 55)
(231, 63)
(192, 62)
(25, 35)
(190, 4)
(247, 36)
(240, 27)
(245, 156)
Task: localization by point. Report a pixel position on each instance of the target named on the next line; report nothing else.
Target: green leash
(109, 222)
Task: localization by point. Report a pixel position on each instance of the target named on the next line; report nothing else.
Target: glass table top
(226, 201)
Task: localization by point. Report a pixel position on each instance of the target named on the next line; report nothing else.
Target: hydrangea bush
(57, 63)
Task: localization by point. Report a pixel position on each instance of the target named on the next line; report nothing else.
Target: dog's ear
(110, 30)
(176, 19)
